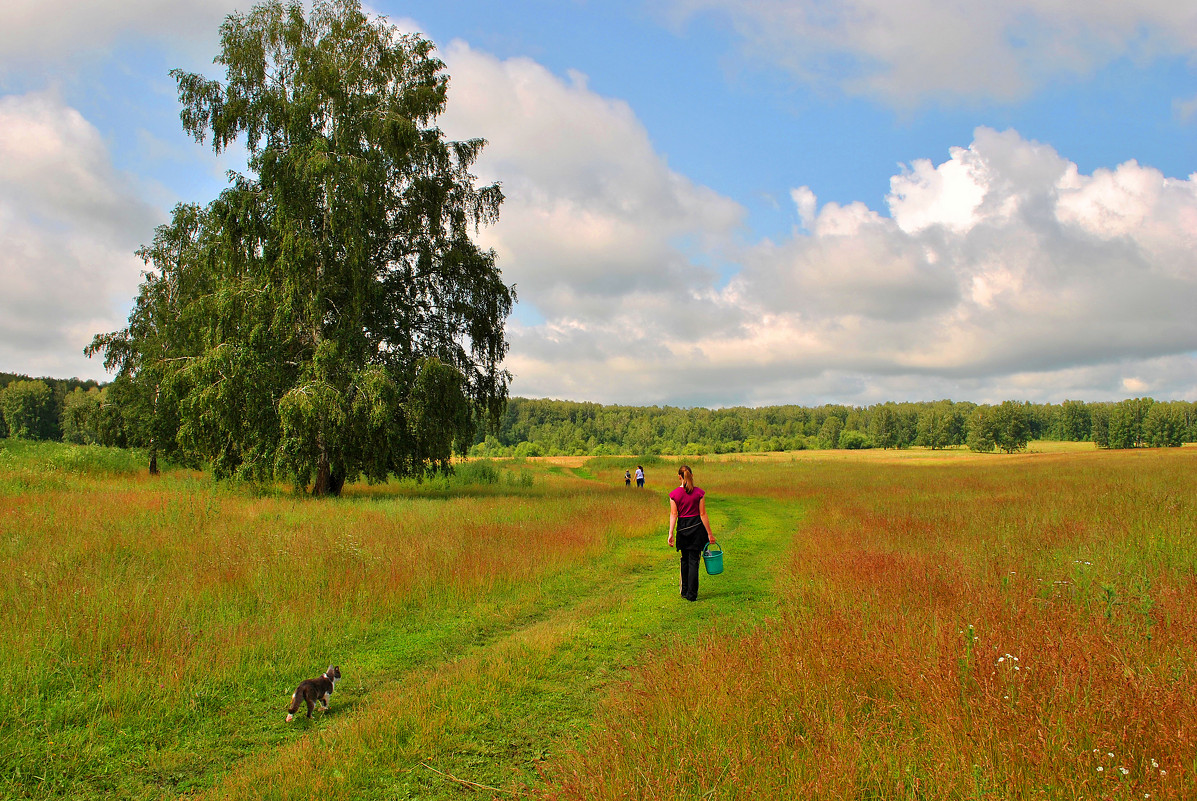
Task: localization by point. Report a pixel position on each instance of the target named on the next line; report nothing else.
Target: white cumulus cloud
(34, 32)
(602, 239)
(69, 223)
(1003, 259)
(1001, 271)
(909, 51)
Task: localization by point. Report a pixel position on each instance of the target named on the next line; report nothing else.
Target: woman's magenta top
(687, 502)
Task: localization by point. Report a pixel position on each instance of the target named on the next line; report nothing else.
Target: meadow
(908, 624)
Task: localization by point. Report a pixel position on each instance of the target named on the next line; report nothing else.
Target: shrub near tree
(332, 316)
(853, 440)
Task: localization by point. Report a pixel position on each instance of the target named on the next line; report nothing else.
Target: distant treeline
(58, 409)
(551, 427)
(86, 412)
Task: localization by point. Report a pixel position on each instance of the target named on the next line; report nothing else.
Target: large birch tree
(346, 325)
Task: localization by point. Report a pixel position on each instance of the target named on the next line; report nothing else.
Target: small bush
(855, 440)
(482, 471)
(521, 479)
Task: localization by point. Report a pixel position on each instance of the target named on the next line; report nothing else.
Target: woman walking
(688, 519)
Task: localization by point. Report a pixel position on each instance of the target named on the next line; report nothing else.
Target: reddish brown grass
(1019, 627)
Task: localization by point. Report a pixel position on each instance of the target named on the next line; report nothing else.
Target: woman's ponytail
(687, 477)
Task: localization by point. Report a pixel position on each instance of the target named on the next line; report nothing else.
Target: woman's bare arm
(672, 521)
(706, 521)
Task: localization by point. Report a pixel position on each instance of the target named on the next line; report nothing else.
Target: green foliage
(1005, 427)
(1011, 426)
(982, 433)
(526, 449)
(855, 441)
(59, 389)
(884, 428)
(1138, 422)
(482, 471)
(328, 316)
(941, 425)
(565, 428)
(37, 462)
(27, 409)
(829, 432)
(1165, 425)
(1073, 422)
(1123, 424)
(89, 418)
(78, 409)
(162, 334)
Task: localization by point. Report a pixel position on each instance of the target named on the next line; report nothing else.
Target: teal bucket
(712, 560)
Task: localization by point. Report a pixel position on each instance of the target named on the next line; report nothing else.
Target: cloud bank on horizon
(999, 269)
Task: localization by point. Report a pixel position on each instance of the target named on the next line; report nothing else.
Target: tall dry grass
(959, 627)
(147, 619)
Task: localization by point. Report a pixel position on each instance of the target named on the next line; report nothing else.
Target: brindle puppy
(310, 691)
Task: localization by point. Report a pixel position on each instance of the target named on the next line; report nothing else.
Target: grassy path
(484, 697)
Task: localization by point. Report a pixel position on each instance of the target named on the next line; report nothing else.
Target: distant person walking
(639, 476)
(627, 478)
(688, 520)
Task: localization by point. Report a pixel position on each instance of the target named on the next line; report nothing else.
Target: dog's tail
(291, 710)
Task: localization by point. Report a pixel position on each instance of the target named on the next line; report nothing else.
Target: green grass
(525, 687)
(162, 623)
(517, 626)
(27, 466)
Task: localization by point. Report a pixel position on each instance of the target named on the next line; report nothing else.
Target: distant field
(909, 624)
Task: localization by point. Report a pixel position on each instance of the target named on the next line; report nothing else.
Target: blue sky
(709, 202)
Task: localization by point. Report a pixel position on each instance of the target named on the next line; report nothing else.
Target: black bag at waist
(691, 534)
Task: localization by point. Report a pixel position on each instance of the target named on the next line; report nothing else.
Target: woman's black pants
(690, 560)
